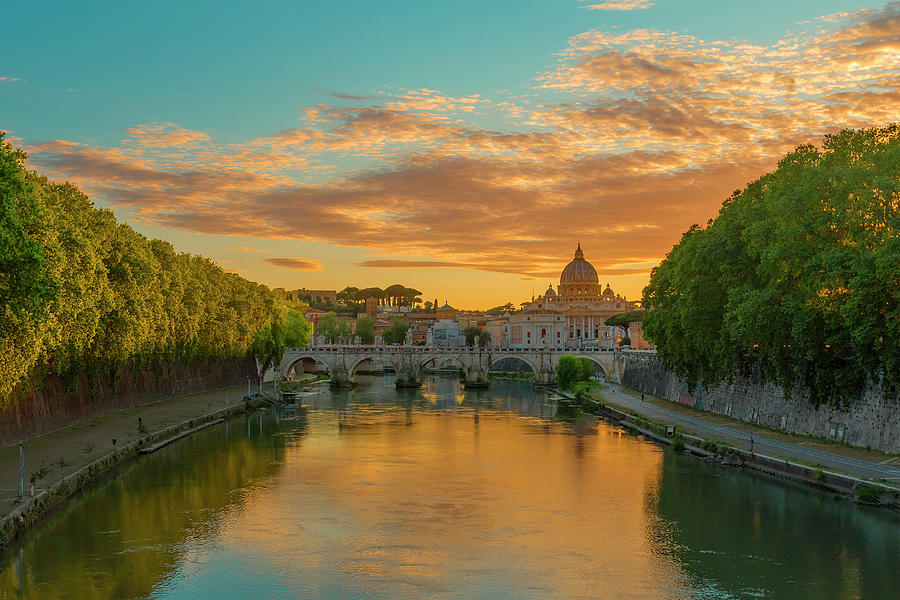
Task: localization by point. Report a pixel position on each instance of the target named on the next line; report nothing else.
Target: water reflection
(738, 535)
(121, 540)
(446, 493)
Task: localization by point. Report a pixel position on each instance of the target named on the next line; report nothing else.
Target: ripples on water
(443, 493)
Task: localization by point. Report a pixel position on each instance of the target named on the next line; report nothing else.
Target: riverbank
(65, 462)
(867, 476)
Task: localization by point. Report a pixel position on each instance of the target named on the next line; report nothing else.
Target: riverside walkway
(68, 449)
(857, 462)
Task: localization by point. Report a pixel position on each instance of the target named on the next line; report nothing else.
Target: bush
(866, 495)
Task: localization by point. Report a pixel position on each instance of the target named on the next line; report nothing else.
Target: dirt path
(59, 453)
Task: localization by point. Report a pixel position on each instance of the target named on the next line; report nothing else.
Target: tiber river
(443, 493)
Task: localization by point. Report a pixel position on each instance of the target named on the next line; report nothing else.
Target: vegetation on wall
(81, 294)
(798, 278)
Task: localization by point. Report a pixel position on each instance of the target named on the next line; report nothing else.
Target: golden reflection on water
(449, 499)
(442, 493)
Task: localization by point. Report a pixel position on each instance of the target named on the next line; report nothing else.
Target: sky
(462, 148)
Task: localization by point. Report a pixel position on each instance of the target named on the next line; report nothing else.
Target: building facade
(572, 316)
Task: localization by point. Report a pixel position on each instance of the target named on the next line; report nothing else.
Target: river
(444, 493)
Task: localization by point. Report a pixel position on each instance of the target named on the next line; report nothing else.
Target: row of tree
(393, 295)
(797, 279)
(81, 294)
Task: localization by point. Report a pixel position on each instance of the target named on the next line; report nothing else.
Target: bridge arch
(496, 358)
(357, 363)
(606, 369)
(305, 362)
(439, 359)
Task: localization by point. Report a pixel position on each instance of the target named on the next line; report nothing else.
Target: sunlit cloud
(619, 4)
(627, 140)
(246, 249)
(299, 264)
(414, 264)
(165, 135)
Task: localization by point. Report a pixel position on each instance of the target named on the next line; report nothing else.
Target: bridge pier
(545, 378)
(407, 370)
(477, 371)
(340, 377)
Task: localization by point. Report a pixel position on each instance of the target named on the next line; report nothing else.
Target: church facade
(572, 315)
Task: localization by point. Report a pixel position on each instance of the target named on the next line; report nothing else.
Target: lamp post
(21, 470)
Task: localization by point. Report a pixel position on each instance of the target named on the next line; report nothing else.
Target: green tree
(396, 333)
(365, 329)
(348, 295)
(499, 310)
(568, 371)
(471, 334)
(370, 292)
(796, 279)
(330, 327)
(623, 319)
(82, 296)
(297, 330)
(484, 338)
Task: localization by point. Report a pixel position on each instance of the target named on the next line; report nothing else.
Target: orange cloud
(648, 132)
(165, 135)
(299, 264)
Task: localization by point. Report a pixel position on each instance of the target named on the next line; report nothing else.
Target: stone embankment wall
(873, 421)
(34, 509)
(39, 407)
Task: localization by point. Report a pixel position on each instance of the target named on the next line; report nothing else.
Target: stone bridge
(410, 362)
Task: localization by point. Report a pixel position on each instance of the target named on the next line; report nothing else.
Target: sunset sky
(462, 148)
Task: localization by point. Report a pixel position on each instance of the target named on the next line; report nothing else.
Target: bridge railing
(459, 349)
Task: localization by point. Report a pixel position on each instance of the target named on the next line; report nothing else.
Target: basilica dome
(579, 278)
(579, 270)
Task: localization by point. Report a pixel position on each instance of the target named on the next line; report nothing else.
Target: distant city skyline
(462, 149)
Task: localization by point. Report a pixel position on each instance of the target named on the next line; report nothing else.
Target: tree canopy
(396, 333)
(365, 329)
(332, 328)
(499, 310)
(623, 319)
(80, 293)
(570, 369)
(475, 334)
(798, 278)
(269, 344)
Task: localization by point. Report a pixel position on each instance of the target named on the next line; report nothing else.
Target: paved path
(876, 468)
(66, 450)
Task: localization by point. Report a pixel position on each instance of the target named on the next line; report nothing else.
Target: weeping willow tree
(797, 278)
(81, 294)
